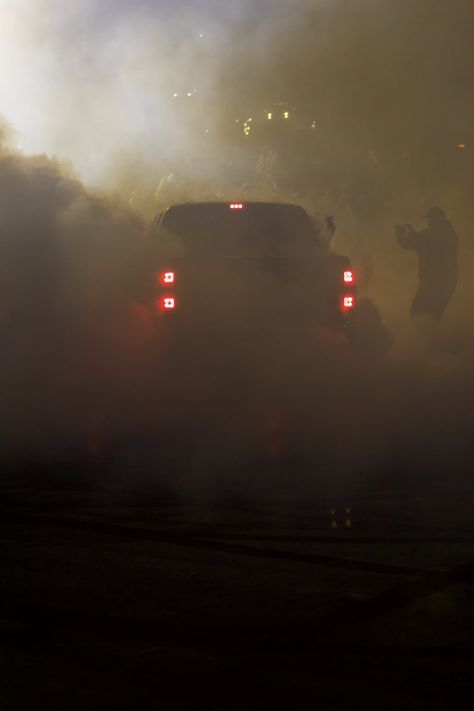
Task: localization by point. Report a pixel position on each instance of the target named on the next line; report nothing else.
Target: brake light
(167, 278)
(348, 302)
(169, 303)
(349, 277)
(166, 303)
(236, 206)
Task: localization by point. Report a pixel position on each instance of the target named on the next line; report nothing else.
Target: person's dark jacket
(436, 248)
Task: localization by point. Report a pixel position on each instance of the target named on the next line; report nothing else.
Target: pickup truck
(243, 265)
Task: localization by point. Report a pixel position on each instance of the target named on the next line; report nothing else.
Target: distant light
(175, 96)
(461, 146)
(201, 35)
(313, 125)
(348, 302)
(189, 93)
(286, 114)
(349, 277)
(236, 206)
(269, 116)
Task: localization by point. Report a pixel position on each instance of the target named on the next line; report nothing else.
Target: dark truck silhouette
(246, 265)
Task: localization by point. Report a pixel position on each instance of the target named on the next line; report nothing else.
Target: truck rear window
(240, 230)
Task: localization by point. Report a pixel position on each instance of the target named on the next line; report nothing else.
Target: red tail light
(167, 278)
(348, 300)
(166, 303)
(169, 303)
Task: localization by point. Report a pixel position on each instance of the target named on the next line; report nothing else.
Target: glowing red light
(236, 206)
(169, 303)
(167, 278)
(166, 303)
(349, 302)
(349, 277)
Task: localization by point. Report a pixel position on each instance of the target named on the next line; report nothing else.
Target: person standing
(437, 250)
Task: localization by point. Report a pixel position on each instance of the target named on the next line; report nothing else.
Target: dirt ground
(120, 600)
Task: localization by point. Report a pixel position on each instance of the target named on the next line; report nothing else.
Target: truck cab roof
(239, 228)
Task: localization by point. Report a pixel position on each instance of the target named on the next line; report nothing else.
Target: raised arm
(407, 237)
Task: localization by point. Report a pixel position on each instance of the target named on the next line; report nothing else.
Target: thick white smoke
(94, 84)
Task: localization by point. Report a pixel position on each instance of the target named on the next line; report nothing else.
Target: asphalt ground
(113, 598)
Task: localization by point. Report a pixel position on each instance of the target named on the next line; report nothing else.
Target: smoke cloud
(118, 108)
